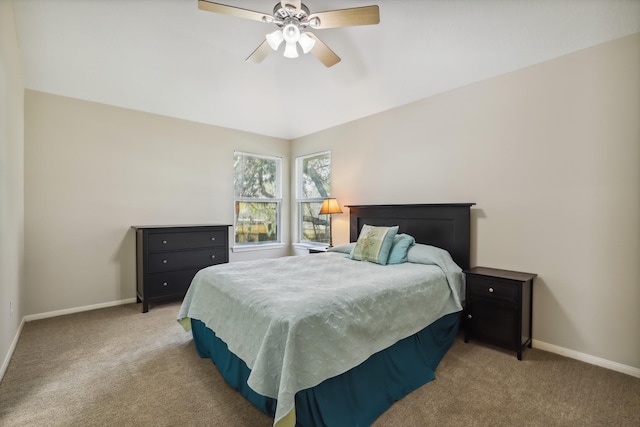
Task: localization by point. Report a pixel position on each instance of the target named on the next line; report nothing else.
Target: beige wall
(551, 156)
(11, 185)
(92, 171)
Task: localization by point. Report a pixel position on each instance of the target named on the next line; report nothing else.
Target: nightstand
(318, 250)
(499, 307)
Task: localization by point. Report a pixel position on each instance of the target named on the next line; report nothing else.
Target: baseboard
(56, 313)
(12, 348)
(583, 357)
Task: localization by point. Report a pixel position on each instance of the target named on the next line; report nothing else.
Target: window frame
(300, 200)
(277, 199)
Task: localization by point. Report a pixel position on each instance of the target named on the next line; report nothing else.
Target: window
(257, 197)
(313, 185)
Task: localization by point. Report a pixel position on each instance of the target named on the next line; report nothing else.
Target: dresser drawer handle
(213, 239)
(213, 256)
(164, 261)
(164, 242)
(490, 290)
(164, 284)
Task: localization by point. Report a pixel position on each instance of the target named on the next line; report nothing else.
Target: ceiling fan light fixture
(306, 42)
(291, 32)
(275, 39)
(291, 51)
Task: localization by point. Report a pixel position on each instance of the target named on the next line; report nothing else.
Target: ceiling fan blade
(231, 10)
(260, 53)
(367, 15)
(323, 53)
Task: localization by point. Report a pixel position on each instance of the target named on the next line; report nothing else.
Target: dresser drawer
(170, 282)
(167, 261)
(186, 240)
(492, 288)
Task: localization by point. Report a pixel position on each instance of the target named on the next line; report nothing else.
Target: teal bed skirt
(356, 397)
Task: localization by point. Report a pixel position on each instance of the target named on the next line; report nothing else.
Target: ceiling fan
(293, 20)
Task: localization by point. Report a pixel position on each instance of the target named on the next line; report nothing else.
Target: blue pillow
(374, 244)
(400, 248)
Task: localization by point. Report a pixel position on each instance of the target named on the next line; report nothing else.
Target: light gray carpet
(117, 366)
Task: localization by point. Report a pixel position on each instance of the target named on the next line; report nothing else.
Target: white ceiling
(170, 58)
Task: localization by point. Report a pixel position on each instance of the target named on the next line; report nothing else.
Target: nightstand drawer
(171, 282)
(186, 240)
(492, 288)
(186, 259)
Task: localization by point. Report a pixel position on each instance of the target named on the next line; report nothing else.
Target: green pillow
(374, 244)
(400, 248)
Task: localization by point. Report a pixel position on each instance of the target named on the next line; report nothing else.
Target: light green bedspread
(296, 321)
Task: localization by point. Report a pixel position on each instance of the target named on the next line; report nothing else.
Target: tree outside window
(314, 185)
(257, 198)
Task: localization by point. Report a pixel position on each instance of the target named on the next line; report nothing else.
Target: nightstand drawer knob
(164, 284)
(213, 239)
(164, 261)
(490, 290)
(469, 316)
(213, 256)
(164, 242)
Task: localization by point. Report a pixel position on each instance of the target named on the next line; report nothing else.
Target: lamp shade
(274, 39)
(306, 42)
(290, 50)
(291, 33)
(330, 206)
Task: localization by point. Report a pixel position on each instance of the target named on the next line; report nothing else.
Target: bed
(329, 340)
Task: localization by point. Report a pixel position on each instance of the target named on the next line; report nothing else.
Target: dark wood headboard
(446, 226)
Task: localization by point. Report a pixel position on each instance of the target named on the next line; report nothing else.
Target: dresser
(167, 258)
(499, 307)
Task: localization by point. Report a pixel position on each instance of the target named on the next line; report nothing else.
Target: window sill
(249, 248)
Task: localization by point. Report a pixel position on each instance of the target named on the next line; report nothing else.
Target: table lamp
(329, 207)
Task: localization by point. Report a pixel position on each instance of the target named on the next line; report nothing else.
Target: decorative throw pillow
(374, 244)
(400, 248)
